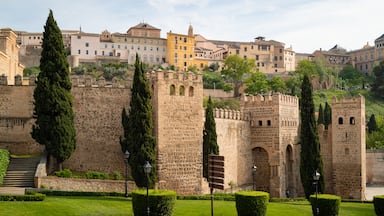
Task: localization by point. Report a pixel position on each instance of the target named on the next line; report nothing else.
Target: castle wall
(325, 138)
(98, 127)
(233, 133)
(16, 109)
(375, 167)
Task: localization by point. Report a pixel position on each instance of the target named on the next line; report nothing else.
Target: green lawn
(120, 206)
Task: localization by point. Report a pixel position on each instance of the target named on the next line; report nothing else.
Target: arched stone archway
(289, 179)
(261, 160)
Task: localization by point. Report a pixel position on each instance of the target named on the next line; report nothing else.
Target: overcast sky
(306, 25)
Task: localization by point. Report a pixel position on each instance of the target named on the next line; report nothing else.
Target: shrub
(117, 175)
(30, 197)
(328, 204)
(65, 173)
(251, 203)
(378, 202)
(4, 162)
(96, 175)
(160, 202)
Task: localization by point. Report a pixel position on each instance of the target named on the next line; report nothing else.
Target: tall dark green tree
(54, 126)
(138, 129)
(209, 137)
(372, 125)
(310, 158)
(327, 115)
(378, 84)
(320, 118)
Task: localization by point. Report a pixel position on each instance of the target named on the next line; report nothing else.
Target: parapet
(87, 81)
(270, 99)
(172, 75)
(230, 114)
(358, 99)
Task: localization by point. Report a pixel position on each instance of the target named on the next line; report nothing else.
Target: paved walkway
(372, 191)
(12, 190)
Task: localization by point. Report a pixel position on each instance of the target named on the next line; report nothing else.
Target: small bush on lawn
(251, 203)
(4, 162)
(160, 202)
(328, 204)
(32, 197)
(65, 173)
(378, 202)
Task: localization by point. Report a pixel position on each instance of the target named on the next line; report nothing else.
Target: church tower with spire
(190, 30)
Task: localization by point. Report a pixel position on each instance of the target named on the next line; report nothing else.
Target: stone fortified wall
(233, 134)
(375, 167)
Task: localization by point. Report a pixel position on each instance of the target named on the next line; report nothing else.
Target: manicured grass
(121, 206)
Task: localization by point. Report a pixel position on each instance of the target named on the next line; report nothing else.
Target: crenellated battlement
(270, 99)
(356, 99)
(87, 81)
(230, 114)
(173, 75)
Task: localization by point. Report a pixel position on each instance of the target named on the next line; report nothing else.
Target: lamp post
(316, 178)
(147, 170)
(254, 169)
(126, 157)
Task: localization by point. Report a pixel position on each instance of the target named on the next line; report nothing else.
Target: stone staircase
(21, 172)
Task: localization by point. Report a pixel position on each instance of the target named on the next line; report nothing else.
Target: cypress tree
(372, 125)
(310, 158)
(138, 129)
(54, 125)
(320, 119)
(209, 137)
(327, 115)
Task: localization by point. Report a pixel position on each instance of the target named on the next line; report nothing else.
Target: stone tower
(348, 147)
(274, 122)
(178, 124)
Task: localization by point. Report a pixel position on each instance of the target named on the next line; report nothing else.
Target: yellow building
(181, 50)
(9, 57)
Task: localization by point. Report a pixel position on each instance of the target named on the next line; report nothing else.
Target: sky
(304, 25)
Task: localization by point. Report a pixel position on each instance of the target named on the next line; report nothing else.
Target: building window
(95, 52)
(185, 40)
(87, 44)
(260, 123)
(281, 50)
(105, 46)
(275, 65)
(269, 122)
(78, 52)
(185, 48)
(340, 120)
(86, 52)
(172, 90)
(245, 49)
(185, 56)
(185, 64)
(257, 57)
(191, 91)
(275, 58)
(118, 46)
(102, 53)
(181, 90)
(352, 120)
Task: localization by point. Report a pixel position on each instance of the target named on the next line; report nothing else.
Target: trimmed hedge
(328, 204)
(251, 203)
(378, 202)
(33, 197)
(4, 162)
(160, 202)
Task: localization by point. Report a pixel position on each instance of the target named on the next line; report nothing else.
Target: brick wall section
(90, 185)
(16, 108)
(98, 126)
(375, 167)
